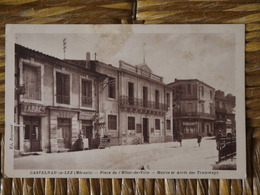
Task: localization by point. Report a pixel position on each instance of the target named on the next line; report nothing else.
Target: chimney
(88, 60)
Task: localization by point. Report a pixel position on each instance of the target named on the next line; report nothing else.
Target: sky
(209, 57)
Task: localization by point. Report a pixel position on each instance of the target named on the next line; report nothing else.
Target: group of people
(179, 137)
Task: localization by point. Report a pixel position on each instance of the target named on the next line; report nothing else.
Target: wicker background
(147, 12)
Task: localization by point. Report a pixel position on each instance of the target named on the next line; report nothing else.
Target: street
(156, 156)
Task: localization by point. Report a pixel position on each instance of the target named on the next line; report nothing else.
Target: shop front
(64, 129)
(31, 120)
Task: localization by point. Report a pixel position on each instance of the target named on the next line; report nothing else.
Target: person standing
(218, 139)
(180, 136)
(199, 138)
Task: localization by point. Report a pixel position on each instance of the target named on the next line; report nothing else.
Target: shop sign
(33, 109)
(189, 123)
(86, 115)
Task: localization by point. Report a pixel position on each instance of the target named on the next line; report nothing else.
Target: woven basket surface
(144, 12)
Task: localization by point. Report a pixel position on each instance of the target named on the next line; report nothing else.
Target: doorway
(87, 129)
(32, 133)
(146, 130)
(65, 125)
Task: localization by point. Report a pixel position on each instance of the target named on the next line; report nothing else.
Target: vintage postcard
(125, 101)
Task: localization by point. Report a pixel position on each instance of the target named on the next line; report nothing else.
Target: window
(145, 96)
(202, 107)
(32, 82)
(202, 90)
(157, 124)
(111, 87)
(168, 124)
(211, 94)
(112, 122)
(131, 93)
(62, 88)
(86, 93)
(168, 99)
(157, 97)
(189, 107)
(189, 88)
(131, 123)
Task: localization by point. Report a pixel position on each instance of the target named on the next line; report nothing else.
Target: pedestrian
(180, 136)
(199, 138)
(218, 139)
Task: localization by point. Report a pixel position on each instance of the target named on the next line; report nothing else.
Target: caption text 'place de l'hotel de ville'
(58, 100)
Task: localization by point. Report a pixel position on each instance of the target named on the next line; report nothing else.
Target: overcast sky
(209, 57)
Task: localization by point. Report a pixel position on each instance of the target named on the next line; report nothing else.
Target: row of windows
(112, 123)
(32, 83)
(189, 89)
(32, 80)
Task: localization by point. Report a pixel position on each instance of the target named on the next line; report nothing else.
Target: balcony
(194, 115)
(142, 105)
(86, 101)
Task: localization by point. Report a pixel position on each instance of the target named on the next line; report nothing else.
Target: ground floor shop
(144, 128)
(52, 129)
(192, 127)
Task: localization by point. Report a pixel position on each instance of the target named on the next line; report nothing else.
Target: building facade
(225, 114)
(135, 104)
(54, 101)
(193, 107)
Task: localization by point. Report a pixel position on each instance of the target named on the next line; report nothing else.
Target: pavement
(156, 156)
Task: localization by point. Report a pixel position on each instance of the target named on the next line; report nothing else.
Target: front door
(65, 125)
(32, 133)
(146, 130)
(88, 131)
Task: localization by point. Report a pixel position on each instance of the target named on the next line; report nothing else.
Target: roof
(189, 80)
(24, 51)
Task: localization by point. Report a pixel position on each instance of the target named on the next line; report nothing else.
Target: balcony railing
(126, 101)
(63, 99)
(194, 114)
(87, 101)
(32, 91)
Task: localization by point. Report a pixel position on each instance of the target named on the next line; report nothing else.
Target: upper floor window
(32, 82)
(168, 99)
(131, 93)
(202, 91)
(202, 107)
(111, 87)
(211, 94)
(189, 88)
(62, 88)
(86, 93)
(157, 98)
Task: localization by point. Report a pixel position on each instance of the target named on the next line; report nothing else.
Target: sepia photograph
(124, 101)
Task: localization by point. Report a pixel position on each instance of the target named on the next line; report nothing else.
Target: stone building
(225, 113)
(193, 107)
(54, 101)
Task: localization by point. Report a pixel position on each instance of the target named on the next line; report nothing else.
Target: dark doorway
(32, 133)
(131, 93)
(87, 129)
(146, 130)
